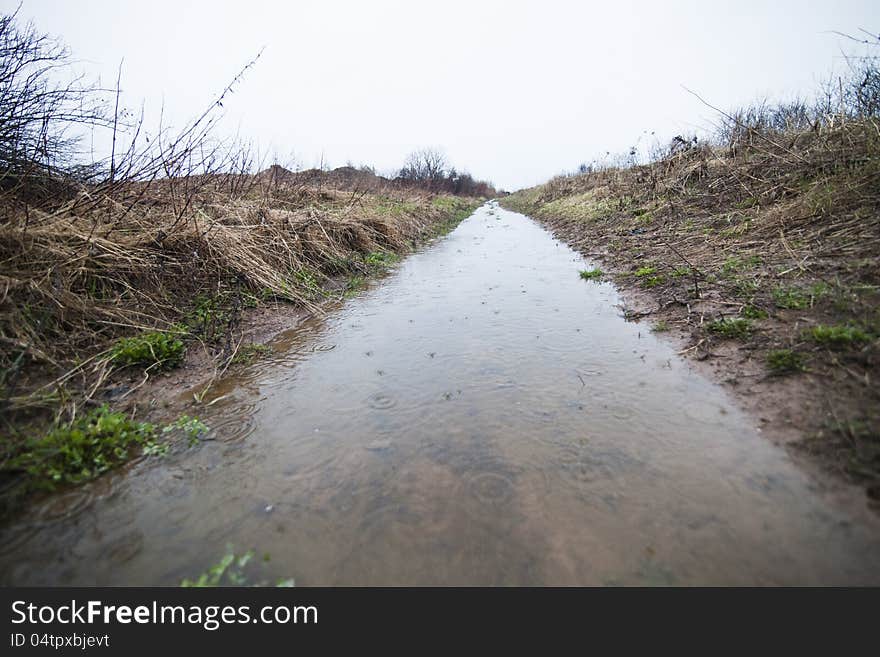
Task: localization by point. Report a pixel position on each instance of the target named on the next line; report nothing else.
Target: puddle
(482, 416)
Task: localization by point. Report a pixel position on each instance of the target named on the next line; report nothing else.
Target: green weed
(250, 353)
(752, 312)
(785, 361)
(192, 427)
(231, 570)
(380, 259)
(799, 298)
(746, 288)
(309, 282)
(649, 276)
(354, 285)
(838, 336)
(83, 449)
(592, 274)
(149, 349)
(731, 327)
(737, 264)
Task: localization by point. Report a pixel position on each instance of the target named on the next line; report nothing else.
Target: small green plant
(790, 298)
(354, 285)
(380, 259)
(660, 327)
(83, 449)
(680, 272)
(250, 300)
(752, 312)
(231, 570)
(838, 336)
(737, 264)
(643, 216)
(192, 427)
(746, 288)
(208, 313)
(156, 449)
(592, 274)
(229, 566)
(649, 276)
(307, 280)
(165, 350)
(799, 298)
(250, 353)
(730, 327)
(785, 361)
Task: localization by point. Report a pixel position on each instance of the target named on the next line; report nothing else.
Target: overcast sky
(511, 91)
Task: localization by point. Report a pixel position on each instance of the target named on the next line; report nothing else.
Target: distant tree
(426, 167)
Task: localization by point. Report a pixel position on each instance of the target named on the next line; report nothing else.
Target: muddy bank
(188, 388)
(766, 292)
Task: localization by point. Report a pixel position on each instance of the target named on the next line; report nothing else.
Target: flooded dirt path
(482, 416)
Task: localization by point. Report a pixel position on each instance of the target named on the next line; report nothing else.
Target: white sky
(511, 91)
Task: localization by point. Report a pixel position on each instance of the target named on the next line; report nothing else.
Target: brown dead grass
(76, 277)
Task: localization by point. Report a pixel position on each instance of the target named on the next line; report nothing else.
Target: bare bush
(41, 115)
(429, 169)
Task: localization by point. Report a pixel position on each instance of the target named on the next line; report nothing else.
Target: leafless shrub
(429, 169)
(42, 108)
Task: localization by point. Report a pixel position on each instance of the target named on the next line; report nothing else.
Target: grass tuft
(838, 336)
(592, 274)
(785, 361)
(731, 327)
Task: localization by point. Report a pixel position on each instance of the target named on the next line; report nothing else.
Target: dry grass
(75, 280)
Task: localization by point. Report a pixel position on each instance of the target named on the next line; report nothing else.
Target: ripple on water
(178, 514)
(704, 413)
(55, 509)
(490, 488)
(65, 505)
(381, 401)
(585, 464)
(122, 549)
(234, 424)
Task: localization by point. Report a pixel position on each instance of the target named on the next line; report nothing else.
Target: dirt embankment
(764, 260)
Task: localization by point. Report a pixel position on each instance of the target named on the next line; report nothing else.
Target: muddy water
(482, 416)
